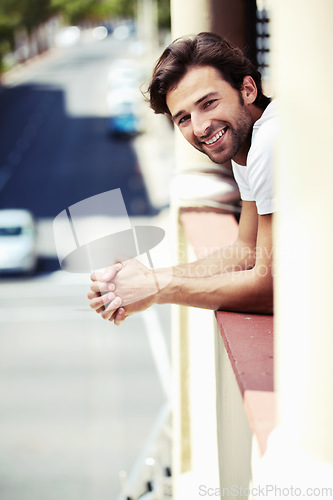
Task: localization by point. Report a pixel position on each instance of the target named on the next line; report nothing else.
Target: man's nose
(200, 125)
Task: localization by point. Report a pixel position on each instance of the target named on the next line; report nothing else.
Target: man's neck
(241, 156)
(256, 113)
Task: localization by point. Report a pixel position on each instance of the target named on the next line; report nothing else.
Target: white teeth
(217, 136)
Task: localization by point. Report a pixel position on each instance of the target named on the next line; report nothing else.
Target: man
(214, 95)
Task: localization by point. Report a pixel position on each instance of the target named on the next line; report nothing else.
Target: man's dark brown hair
(204, 49)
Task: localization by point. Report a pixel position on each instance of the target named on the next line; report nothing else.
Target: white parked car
(18, 238)
(125, 101)
(125, 73)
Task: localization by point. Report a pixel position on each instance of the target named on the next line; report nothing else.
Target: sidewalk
(155, 150)
(155, 146)
(19, 73)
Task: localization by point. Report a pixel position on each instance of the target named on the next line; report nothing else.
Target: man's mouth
(216, 137)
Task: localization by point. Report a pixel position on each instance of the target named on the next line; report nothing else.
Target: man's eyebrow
(203, 98)
(207, 96)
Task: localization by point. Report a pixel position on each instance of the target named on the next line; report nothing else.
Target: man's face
(211, 115)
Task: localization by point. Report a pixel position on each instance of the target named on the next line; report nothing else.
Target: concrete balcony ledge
(248, 338)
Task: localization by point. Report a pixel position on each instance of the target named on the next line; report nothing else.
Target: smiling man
(214, 95)
(213, 117)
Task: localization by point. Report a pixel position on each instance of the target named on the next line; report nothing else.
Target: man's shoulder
(266, 128)
(270, 114)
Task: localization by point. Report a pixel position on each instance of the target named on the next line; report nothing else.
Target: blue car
(124, 110)
(125, 121)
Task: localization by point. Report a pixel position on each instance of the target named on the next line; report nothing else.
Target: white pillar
(303, 75)
(189, 18)
(194, 419)
(147, 26)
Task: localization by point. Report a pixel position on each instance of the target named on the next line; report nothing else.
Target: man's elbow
(264, 291)
(267, 304)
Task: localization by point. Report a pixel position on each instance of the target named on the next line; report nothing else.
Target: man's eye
(209, 103)
(183, 119)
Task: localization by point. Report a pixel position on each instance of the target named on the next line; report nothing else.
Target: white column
(195, 460)
(147, 26)
(305, 230)
(189, 18)
(301, 452)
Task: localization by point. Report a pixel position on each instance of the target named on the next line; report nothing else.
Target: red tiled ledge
(248, 338)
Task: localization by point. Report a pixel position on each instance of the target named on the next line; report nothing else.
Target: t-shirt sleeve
(240, 175)
(260, 168)
(255, 180)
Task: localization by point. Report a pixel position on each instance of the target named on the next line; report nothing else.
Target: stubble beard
(240, 136)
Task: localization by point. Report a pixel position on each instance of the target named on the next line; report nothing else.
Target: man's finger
(102, 287)
(92, 295)
(108, 273)
(102, 300)
(119, 317)
(112, 307)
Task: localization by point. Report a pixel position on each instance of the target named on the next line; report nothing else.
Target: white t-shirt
(255, 179)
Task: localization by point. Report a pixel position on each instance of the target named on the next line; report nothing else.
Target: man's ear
(249, 90)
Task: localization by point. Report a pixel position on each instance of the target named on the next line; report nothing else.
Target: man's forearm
(236, 257)
(244, 291)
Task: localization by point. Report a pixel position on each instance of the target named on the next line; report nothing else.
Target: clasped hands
(122, 289)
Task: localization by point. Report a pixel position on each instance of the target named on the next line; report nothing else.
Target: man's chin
(218, 157)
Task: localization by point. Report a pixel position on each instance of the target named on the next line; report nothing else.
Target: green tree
(77, 11)
(29, 14)
(164, 18)
(10, 20)
(26, 14)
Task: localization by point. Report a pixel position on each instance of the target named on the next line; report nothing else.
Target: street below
(79, 397)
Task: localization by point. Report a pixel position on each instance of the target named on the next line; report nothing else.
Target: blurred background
(82, 404)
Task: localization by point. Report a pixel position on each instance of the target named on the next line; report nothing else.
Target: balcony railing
(223, 384)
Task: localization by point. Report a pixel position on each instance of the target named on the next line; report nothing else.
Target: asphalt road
(78, 397)
(54, 147)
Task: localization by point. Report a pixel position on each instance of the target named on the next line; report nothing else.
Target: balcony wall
(223, 379)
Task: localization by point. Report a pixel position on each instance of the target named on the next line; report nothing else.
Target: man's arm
(235, 257)
(249, 290)
(245, 284)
